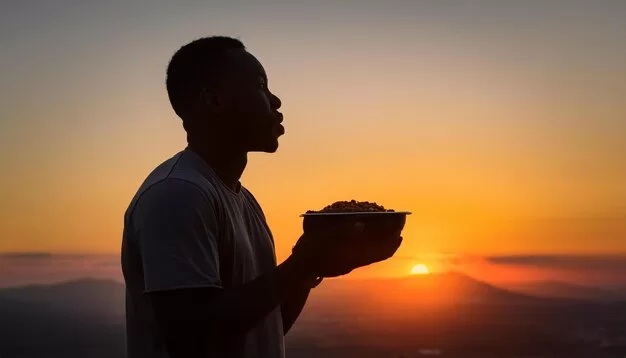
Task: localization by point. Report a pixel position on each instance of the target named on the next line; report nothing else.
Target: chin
(269, 147)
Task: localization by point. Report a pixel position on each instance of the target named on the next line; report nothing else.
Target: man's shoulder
(179, 176)
(183, 166)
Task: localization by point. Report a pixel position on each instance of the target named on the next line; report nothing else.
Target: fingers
(347, 257)
(394, 245)
(339, 250)
(335, 271)
(379, 250)
(318, 281)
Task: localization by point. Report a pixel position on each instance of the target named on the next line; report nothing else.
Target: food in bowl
(352, 206)
(377, 220)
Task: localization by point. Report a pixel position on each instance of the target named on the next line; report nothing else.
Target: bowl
(381, 224)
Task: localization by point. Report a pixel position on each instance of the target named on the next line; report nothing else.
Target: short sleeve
(176, 230)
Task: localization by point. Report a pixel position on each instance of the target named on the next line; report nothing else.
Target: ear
(210, 100)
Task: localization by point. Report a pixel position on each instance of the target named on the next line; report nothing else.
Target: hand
(340, 250)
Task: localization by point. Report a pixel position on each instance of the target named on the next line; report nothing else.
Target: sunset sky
(500, 125)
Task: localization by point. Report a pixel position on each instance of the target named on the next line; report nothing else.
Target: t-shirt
(186, 228)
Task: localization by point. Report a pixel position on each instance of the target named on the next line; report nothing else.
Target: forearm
(216, 317)
(292, 307)
(240, 308)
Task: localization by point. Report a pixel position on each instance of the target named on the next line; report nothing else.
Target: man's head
(220, 92)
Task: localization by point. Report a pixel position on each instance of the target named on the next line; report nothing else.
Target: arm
(293, 305)
(201, 320)
(178, 244)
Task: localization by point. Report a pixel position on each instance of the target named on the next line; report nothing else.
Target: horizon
(437, 276)
(22, 269)
(498, 125)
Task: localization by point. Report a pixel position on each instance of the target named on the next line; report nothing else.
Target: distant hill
(84, 318)
(440, 289)
(76, 319)
(559, 289)
(451, 310)
(91, 299)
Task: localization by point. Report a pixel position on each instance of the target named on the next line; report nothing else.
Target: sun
(420, 269)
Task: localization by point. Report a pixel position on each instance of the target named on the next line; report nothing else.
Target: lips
(279, 129)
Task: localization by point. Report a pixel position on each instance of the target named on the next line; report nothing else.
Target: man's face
(250, 110)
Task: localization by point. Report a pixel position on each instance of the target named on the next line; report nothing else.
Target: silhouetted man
(197, 255)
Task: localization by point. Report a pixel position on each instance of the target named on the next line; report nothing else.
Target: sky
(499, 125)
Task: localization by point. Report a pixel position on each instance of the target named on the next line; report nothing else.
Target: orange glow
(420, 269)
(491, 151)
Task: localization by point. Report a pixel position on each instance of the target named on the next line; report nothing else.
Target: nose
(275, 101)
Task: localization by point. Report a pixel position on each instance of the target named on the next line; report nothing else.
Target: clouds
(568, 262)
(42, 267)
(589, 269)
(24, 255)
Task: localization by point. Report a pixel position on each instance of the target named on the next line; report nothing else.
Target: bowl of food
(376, 219)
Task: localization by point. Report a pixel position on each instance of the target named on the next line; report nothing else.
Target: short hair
(191, 68)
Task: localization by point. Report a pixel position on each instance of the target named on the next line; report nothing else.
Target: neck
(227, 164)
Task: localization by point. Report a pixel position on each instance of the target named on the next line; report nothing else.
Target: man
(197, 255)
